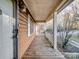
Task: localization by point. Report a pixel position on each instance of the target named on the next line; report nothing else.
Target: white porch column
(55, 30)
(28, 25)
(36, 30)
(45, 26)
(35, 27)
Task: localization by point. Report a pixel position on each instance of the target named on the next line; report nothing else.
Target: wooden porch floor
(41, 49)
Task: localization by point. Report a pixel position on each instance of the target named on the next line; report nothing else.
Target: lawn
(75, 38)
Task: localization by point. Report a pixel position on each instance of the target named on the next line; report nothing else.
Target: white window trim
(28, 25)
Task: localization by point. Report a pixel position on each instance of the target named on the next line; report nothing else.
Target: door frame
(15, 29)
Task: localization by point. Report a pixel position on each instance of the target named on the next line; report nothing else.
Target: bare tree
(68, 26)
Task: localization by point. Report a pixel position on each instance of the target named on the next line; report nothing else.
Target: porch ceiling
(42, 9)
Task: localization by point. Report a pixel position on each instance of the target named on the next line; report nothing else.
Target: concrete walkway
(41, 49)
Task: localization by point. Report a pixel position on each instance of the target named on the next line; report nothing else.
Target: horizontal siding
(23, 32)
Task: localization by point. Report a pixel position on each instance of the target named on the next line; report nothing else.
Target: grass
(75, 38)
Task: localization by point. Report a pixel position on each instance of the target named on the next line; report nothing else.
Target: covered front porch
(34, 41)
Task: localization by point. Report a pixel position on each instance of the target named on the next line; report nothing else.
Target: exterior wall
(24, 43)
(6, 28)
(24, 40)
